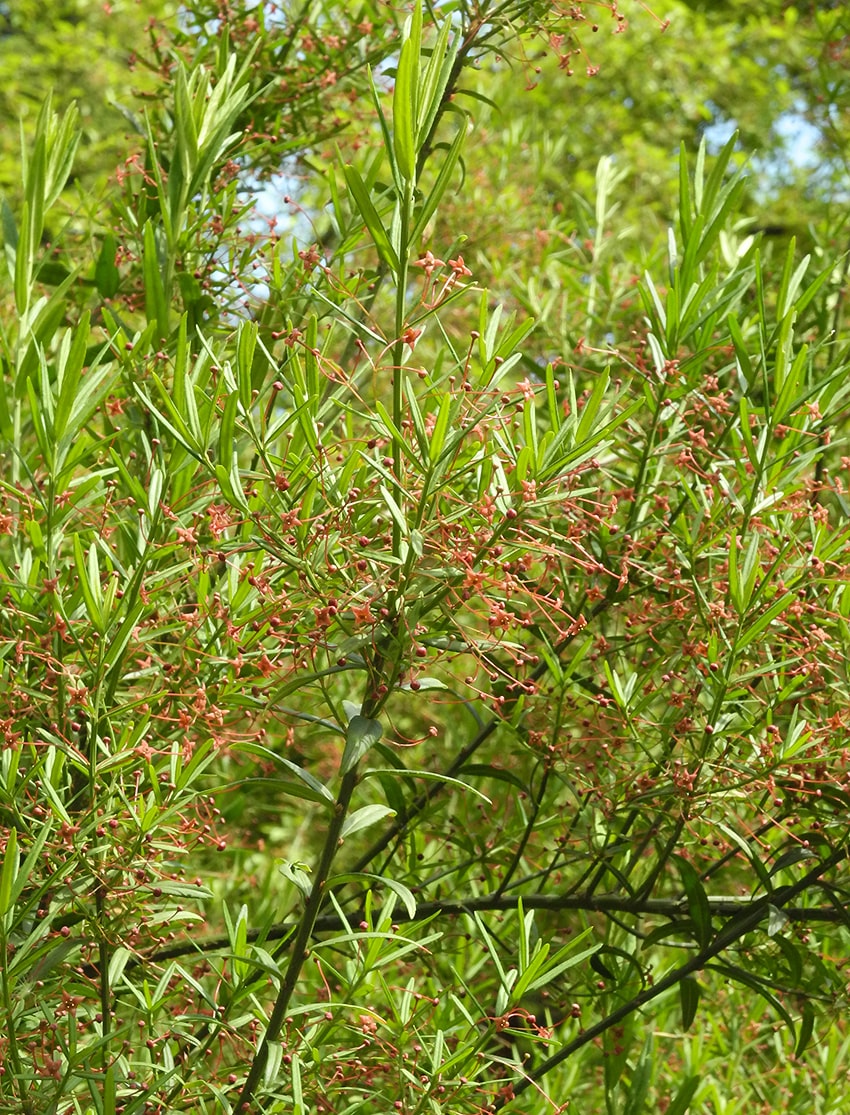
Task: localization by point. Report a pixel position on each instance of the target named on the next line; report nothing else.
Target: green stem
(301, 944)
(11, 1035)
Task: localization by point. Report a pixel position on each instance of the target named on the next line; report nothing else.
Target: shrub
(408, 705)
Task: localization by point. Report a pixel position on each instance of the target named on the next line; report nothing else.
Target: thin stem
(519, 852)
(301, 943)
(737, 928)
(11, 1033)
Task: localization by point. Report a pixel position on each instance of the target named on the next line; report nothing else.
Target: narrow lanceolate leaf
(369, 215)
(641, 1079)
(403, 893)
(156, 303)
(773, 612)
(8, 874)
(23, 263)
(406, 96)
(444, 178)
(89, 586)
(398, 889)
(295, 780)
(682, 1100)
(777, 919)
(404, 110)
(436, 78)
(698, 906)
(106, 274)
(789, 858)
(183, 890)
(389, 145)
(807, 1025)
(362, 818)
(760, 986)
(361, 735)
(23, 871)
(395, 510)
(689, 997)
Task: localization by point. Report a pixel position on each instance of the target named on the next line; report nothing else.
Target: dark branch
(494, 903)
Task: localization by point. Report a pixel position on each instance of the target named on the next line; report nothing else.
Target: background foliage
(423, 559)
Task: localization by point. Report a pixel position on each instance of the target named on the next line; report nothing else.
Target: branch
(739, 925)
(495, 903)
(302, 940)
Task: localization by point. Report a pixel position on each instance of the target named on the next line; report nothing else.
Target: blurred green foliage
(92, 52)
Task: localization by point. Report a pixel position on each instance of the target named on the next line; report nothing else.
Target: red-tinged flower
(459, 267)
(220, 518)
(187, 535)
(310, 257)
(363, 614)
(429, 264)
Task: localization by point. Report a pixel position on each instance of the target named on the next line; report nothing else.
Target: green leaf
(438, 435)
(231, 486)
(10, 235)
(681, 927)
(395, 510)
(807, 1025)
(183, 890)
(789, 858)
(299, 875)
(226, 442)
(682, 1100)
(8, 875)
(441, 184)
(156, 301)
(685, 214)
(364, 817)
(698, 905)
(733, 972)
(306, 785)
(436, 776)
(765, 619)
(399, 889)
(689, 998)
(749, 852)
(106, 275)
(561, 961)
(52, 272)
(433, 86)
(641, 1079)
(23, 262)
(396, 435)
(404, 107)
(89, 582)
(24, 870)
(361, 735)
(369, 215)
(389, 146)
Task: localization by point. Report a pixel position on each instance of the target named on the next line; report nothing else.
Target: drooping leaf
(362, 733)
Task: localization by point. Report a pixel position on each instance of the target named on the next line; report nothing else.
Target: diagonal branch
(738, 926)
